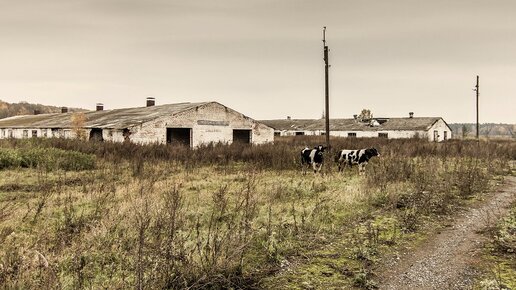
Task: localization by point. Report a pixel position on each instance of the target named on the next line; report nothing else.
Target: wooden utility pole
(477, 90)
(326, 90)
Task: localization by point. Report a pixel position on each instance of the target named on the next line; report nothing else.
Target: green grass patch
(47, 158)
(500, 255)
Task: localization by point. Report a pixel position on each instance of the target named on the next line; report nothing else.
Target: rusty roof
(112, 119)
(386, 124)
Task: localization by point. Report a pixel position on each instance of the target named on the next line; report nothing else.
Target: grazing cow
(314, 157)
(361, 157)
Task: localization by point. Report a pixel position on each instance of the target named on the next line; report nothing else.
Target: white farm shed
(191, 124)
(431, 128)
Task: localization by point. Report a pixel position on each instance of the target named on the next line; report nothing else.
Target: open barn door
(96, 134)
(242, 136)
(179, 136)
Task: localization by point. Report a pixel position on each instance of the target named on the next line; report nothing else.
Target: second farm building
(191, 124)
(430, 128)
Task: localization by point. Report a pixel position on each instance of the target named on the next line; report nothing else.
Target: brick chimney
(64, 110)
(411, 114)
(151, 101)
(100, 107)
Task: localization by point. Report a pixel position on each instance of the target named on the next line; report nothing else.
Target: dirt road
(446, 260)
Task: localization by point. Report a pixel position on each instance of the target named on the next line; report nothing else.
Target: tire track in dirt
(446, 260)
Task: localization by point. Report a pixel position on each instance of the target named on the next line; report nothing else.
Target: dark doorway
(127, 135)
(179, 136)
(96, 134)
(242, 136)
(299, 133)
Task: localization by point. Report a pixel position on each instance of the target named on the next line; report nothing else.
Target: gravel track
(446, 260)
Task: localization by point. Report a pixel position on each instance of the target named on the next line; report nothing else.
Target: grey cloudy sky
(264, 58)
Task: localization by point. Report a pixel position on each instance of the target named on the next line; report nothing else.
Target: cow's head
(321, 148)
(372, 152)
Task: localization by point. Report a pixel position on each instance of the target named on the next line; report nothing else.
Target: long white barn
(431, 128)
(191, 124)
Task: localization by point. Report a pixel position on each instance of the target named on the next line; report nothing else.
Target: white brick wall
(211, 122)
(224, 120)
(440, 126)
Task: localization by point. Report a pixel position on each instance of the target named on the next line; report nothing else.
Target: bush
(471, 176)
(505, 237)
(48, 158)
(9, 158)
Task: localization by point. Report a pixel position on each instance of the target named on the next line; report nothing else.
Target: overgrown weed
(220, 216)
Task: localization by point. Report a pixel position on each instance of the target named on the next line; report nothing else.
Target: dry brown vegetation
(220, 216)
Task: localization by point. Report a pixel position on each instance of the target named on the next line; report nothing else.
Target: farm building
(191, 124)
(432, 128)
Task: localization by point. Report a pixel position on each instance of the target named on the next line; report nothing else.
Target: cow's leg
(360, 169)
(314, 165)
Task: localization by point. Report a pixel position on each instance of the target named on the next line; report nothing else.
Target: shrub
(505, 237)
(9, 158)
(470, 176)
(48, 158)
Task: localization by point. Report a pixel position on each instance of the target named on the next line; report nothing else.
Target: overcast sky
(264, 58)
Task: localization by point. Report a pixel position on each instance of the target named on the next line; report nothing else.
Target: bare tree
(78, 121)
(465, 131)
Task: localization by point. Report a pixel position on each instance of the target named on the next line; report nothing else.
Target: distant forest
(24, 108)
(467, 130)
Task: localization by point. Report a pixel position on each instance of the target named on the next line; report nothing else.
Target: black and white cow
(361, 157)
(314, 157)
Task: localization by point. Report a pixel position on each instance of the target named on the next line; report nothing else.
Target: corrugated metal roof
(113, 119)
(406, 124)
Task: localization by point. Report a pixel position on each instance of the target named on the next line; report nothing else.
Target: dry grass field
(100, 215)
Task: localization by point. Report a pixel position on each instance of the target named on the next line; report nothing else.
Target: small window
(383, 135)
(352, 134)
(445, 136)
(300, 133)
(436, 135)
(25, 133)
(11, 134)
(34, 133)
(56, 133)
(44, 132)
